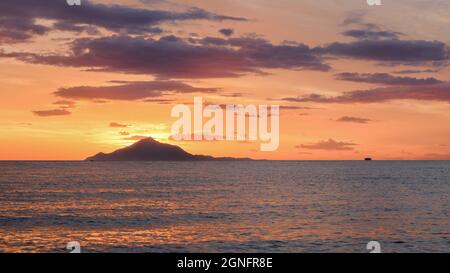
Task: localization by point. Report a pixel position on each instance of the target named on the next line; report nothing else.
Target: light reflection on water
(261, 206)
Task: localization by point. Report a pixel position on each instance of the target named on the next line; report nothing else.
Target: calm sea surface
(260, 206)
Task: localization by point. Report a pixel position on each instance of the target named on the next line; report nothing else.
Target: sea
(226, 206)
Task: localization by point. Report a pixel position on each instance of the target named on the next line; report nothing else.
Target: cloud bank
(329, 145)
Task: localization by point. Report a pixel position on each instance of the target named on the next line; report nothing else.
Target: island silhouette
(148, 149)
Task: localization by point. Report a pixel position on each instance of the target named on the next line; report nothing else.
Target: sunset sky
(352, 80)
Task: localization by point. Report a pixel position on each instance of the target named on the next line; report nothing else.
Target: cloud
(377, 44)
(174, 57)
(365, 34)
(233, 95)
(354, 119)
(226, 31)
(62, 111)
(53, 112)
(385, 79)
(129, 90)
(435, 92)
(292, 107)
(330, 145)
(357, 17)
(213, 57)
(160, 101)
(124, 133)
(16, 30)
(117, 125)
(415, 71)
(134, 138)
(89, 29)
(116, 18)
(25, 124)
(100, 101)
(258, 53)
(360, 29)
(65, 104)
(194, 57)
(392, 51)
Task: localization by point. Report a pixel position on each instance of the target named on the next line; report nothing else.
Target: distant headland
(149, 149)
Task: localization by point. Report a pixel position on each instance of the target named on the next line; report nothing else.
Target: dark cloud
(16, 30)
(354, 119)
(115, 18)
(194, 57)
(435, 92)
(365, 34)
(226, 31)
(374, 43)
(53, 112)
(416, 71)
(330, 145)
(129, 90)
(174, 57)
(390, 51)
(117, 125)
(213, 57)
(385, 79)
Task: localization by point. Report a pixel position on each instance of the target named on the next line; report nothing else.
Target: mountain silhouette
(149, 149)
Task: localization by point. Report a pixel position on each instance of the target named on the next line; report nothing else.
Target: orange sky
(412, 123)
